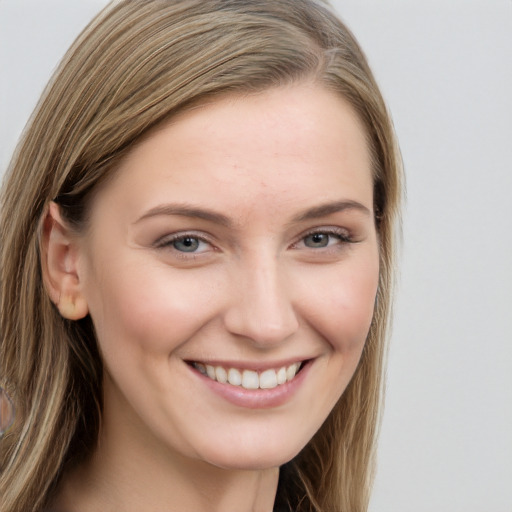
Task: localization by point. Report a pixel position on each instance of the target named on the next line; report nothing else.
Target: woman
(197, 254)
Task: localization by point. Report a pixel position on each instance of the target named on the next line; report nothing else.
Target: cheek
(343, 303)
(357, 300)
(151, 311)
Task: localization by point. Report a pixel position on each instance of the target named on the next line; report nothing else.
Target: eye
(324, 238)
(185, 243)
(318, 240)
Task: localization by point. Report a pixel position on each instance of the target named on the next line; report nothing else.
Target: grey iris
(186, 244)
(317, 240)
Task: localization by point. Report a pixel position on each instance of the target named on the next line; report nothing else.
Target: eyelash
(341, 234)
(168, 241)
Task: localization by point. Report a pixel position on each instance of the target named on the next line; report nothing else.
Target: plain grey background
(445, 68)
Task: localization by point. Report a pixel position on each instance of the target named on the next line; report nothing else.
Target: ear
(59, 258)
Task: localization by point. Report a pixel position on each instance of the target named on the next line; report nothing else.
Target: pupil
(317, 240)
(187, 244)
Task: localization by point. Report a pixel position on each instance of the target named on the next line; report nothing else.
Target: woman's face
(236, 243)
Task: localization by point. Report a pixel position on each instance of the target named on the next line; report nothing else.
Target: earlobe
(72, 308)
(59, 256)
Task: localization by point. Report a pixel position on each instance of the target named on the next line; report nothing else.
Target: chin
(255, 456)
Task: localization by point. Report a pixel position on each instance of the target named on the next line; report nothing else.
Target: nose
(261, 308)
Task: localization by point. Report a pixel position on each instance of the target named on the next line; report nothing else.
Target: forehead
(288, 143)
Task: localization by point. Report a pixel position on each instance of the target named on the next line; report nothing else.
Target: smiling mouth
(250, 379)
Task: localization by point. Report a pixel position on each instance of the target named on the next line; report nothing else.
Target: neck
(103, 485)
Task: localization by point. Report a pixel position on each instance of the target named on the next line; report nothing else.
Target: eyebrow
(329, 208)
(185, 210)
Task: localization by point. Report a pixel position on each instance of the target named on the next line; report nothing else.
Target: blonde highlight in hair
(136, 65)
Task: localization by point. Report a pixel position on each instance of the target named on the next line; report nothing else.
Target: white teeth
(221, 374)
(291, 371)
(249, 379)
(268, 379)
(210, 371)
(234, 377)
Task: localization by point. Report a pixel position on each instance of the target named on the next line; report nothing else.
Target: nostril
(261, 308)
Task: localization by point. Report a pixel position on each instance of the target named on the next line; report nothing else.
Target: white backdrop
(445, 68)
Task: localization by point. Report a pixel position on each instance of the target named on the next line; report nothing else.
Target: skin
(258, 292)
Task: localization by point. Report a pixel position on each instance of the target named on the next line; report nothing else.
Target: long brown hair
(135, 65)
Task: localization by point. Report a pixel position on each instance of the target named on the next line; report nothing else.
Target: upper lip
(251, 365)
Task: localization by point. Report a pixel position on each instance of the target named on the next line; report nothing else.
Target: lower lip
(256, 398)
